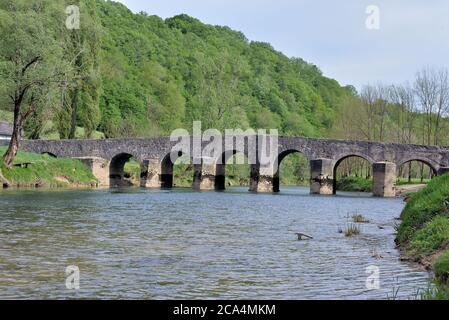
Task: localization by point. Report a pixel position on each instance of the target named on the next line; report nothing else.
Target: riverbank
(32, 170)
(406, 190)
(423, 235)
(354, 184)
(357, 184)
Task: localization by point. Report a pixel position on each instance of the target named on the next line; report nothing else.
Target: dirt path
(408, 188)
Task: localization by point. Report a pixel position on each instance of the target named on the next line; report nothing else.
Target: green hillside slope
(158, 75)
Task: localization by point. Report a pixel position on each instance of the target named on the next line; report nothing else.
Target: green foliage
(6, 116)
(294, 170)
(431, 237)
(183, 175)
(47, 171)
(132, 171)
(159, 75)
(424, 231)
(441, 268)
(405, 181)
(355, 184)
(439, 291)
(423, 206)
(30, 56)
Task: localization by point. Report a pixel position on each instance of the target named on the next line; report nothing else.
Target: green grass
(46, 171)
(438, 292)
(354, 184)
(431, 237)
(441, 268)
(351, 230)
(430, 202)
(424, 232)
(404, 181)
(357, 184)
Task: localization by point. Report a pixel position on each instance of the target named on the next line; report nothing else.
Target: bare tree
(432, 91)
(442, 103)
(403, 97)
(375, 101)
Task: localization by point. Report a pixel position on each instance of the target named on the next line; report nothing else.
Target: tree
(404, 98)
(30, 61)
(432, 90)
(83, 85)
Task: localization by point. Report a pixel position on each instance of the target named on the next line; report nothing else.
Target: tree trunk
(74, 110)
(410, 172)
(14, 143)
(422, 172)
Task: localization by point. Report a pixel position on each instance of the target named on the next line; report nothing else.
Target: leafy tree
(30, 61)
(83, 88)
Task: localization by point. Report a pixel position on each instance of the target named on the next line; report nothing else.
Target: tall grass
(351, 230)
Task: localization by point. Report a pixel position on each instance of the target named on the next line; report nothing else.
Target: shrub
(352, 230)
(355, 184)
(441, 268)
(358, 218)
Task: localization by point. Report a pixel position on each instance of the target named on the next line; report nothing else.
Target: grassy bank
(35, 170)
(357, 184)
(423, 234)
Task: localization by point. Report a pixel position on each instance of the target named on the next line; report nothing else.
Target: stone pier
(384, 179)
(322, 176)
(262, 179)
(204, 177)
(151, 174)
(99, 168)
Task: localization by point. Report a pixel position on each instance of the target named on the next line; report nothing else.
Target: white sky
(332, 34)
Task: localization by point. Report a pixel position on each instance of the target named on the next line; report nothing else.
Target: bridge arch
(433, 166)
(117, 175)
(167, 168)
(345, 157)
(281, 156)
(407, 169)
(220, 167)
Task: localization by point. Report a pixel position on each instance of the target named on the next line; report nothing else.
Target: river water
(180, 244)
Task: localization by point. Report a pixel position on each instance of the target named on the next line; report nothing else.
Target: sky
(333, 34)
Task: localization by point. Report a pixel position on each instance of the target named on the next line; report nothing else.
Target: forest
(122, 74)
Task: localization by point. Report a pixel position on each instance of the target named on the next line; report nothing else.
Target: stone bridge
(106, 158)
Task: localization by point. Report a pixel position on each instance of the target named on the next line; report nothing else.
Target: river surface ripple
(181, 244)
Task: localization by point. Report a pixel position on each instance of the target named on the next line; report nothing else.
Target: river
(180, 244)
